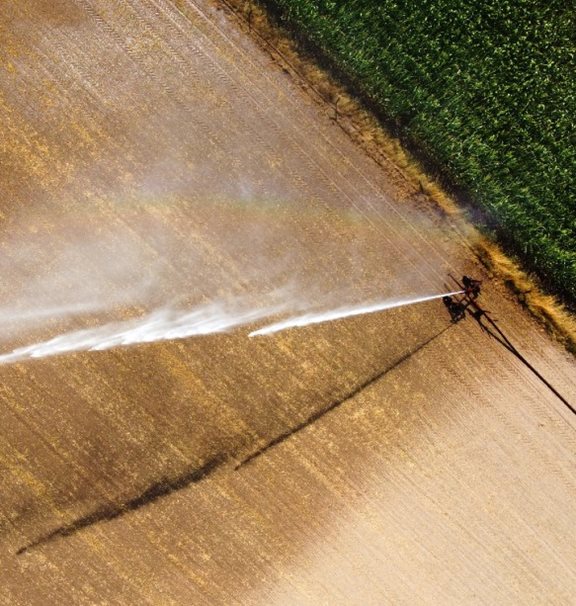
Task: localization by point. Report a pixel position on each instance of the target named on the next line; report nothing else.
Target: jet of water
(337, 314)
(161, 325)
(170, 324)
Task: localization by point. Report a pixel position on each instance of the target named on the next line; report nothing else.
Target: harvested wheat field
(167, 188)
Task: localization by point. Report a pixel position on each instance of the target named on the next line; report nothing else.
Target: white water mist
(172, 324)
(162, 325)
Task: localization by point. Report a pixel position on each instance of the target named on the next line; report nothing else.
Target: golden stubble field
(153, 154)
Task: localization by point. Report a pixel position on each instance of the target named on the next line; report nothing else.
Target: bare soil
(447, 479)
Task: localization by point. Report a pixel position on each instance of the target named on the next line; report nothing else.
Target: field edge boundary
(390, 152)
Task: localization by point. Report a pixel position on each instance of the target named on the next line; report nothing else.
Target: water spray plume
(337, 314)
(161, 325)
(171, 324)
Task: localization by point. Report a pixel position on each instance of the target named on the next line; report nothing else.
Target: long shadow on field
(166, 487)
(109, 512)
(494, 331)
(320, 413)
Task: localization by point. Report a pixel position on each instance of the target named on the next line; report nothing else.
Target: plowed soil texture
(392, 458)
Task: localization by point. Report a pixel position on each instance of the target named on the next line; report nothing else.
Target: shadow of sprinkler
(335, 404)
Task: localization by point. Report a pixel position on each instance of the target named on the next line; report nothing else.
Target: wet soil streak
(109, 512)
(320, 413)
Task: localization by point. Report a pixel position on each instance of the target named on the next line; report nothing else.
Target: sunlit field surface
(212, 388)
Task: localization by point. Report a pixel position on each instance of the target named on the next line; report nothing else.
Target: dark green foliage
(486, 89)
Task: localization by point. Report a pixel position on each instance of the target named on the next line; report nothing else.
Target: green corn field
(485, 91)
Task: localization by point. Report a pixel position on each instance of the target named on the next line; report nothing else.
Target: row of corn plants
(484, 89)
